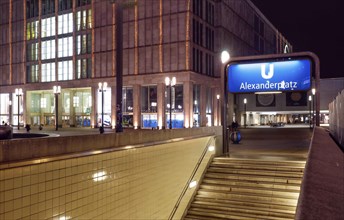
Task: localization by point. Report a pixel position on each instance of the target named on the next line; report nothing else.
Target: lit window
(65, 23)
(43, 102)
(48, 27)
(32, 30)
(65, 47)
(84, 20)
(48, 49)
(48, 72)
(65, 70)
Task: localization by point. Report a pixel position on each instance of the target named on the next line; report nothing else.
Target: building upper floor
(58, 40)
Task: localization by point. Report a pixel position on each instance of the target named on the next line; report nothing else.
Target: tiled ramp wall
(140, 183)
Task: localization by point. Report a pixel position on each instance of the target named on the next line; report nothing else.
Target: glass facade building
(71, 43)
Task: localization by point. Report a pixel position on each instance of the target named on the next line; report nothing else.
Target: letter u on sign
(270, 73)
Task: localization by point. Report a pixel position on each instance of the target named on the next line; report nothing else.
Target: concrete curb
(322, 191)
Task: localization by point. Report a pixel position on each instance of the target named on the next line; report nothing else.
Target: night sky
(311, 25)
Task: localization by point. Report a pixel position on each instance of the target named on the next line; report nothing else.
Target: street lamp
(57, 92)
(313, 97)
(245, 102)
(170, 83)
(225, 56)
(102, 89)
(218, 109)
(19, 93)
(310, 108)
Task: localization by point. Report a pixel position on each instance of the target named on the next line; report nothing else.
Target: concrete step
(258, 184)
(266, 167)
(254, 190)
(247, 205)
(243, 209)
(229, 160)
(244, 196)
(254, 172)
(248, 189)
(255, 178)
(232, 214)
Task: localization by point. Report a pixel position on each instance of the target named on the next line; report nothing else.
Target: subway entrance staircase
(234, 188)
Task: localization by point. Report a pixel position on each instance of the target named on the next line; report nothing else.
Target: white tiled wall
(141, 183)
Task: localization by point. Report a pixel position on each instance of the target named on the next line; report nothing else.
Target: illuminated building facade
(71, 43)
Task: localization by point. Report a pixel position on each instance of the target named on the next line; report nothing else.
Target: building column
(161, 106)
(230, 108)
(24, 99)
(71, 109)
(137, 106)
(94, 118)
(203, 106)
(216, 107)
(60, 108)
(113, 106)
(188, 104)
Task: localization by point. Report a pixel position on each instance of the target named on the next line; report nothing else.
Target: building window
(65, 47)
(196, 105)
(65, 70)
(259, 44)
(197, 35)
(82, 2)
(209, 13)
(48, 72)
(32, 52)
(197, 6)
(209, 64)
(197, 60)
(84, 44)
(48, 27)
(31, 8)
(65, 4)
(84, 20)
(127, 107)
(48, 49)
(65, 23)
(149, 99)
(32, 73)
(32, 30)
(48, 7)
(83, 68)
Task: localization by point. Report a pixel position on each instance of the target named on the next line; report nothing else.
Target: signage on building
(287, 75)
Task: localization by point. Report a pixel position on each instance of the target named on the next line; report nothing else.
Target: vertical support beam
(113, 107)
(161, 105)
(72, 109)
(203, 105)
(94, 112)
(10, 23)
(187, 102)
(119, 65)
(137, 106)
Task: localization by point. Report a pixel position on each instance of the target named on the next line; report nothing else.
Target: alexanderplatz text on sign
(268, 74)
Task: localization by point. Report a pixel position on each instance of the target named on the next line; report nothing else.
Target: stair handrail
(190, 178)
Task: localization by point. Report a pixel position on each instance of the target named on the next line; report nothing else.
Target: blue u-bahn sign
(286, 75)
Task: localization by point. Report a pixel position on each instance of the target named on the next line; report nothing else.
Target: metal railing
(191, 178)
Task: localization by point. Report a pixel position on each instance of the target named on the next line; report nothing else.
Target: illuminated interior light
(193, 184)
(64, 218)
(99, 176)
(211, 148)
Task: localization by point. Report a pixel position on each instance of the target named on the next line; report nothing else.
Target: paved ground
(289, 143)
